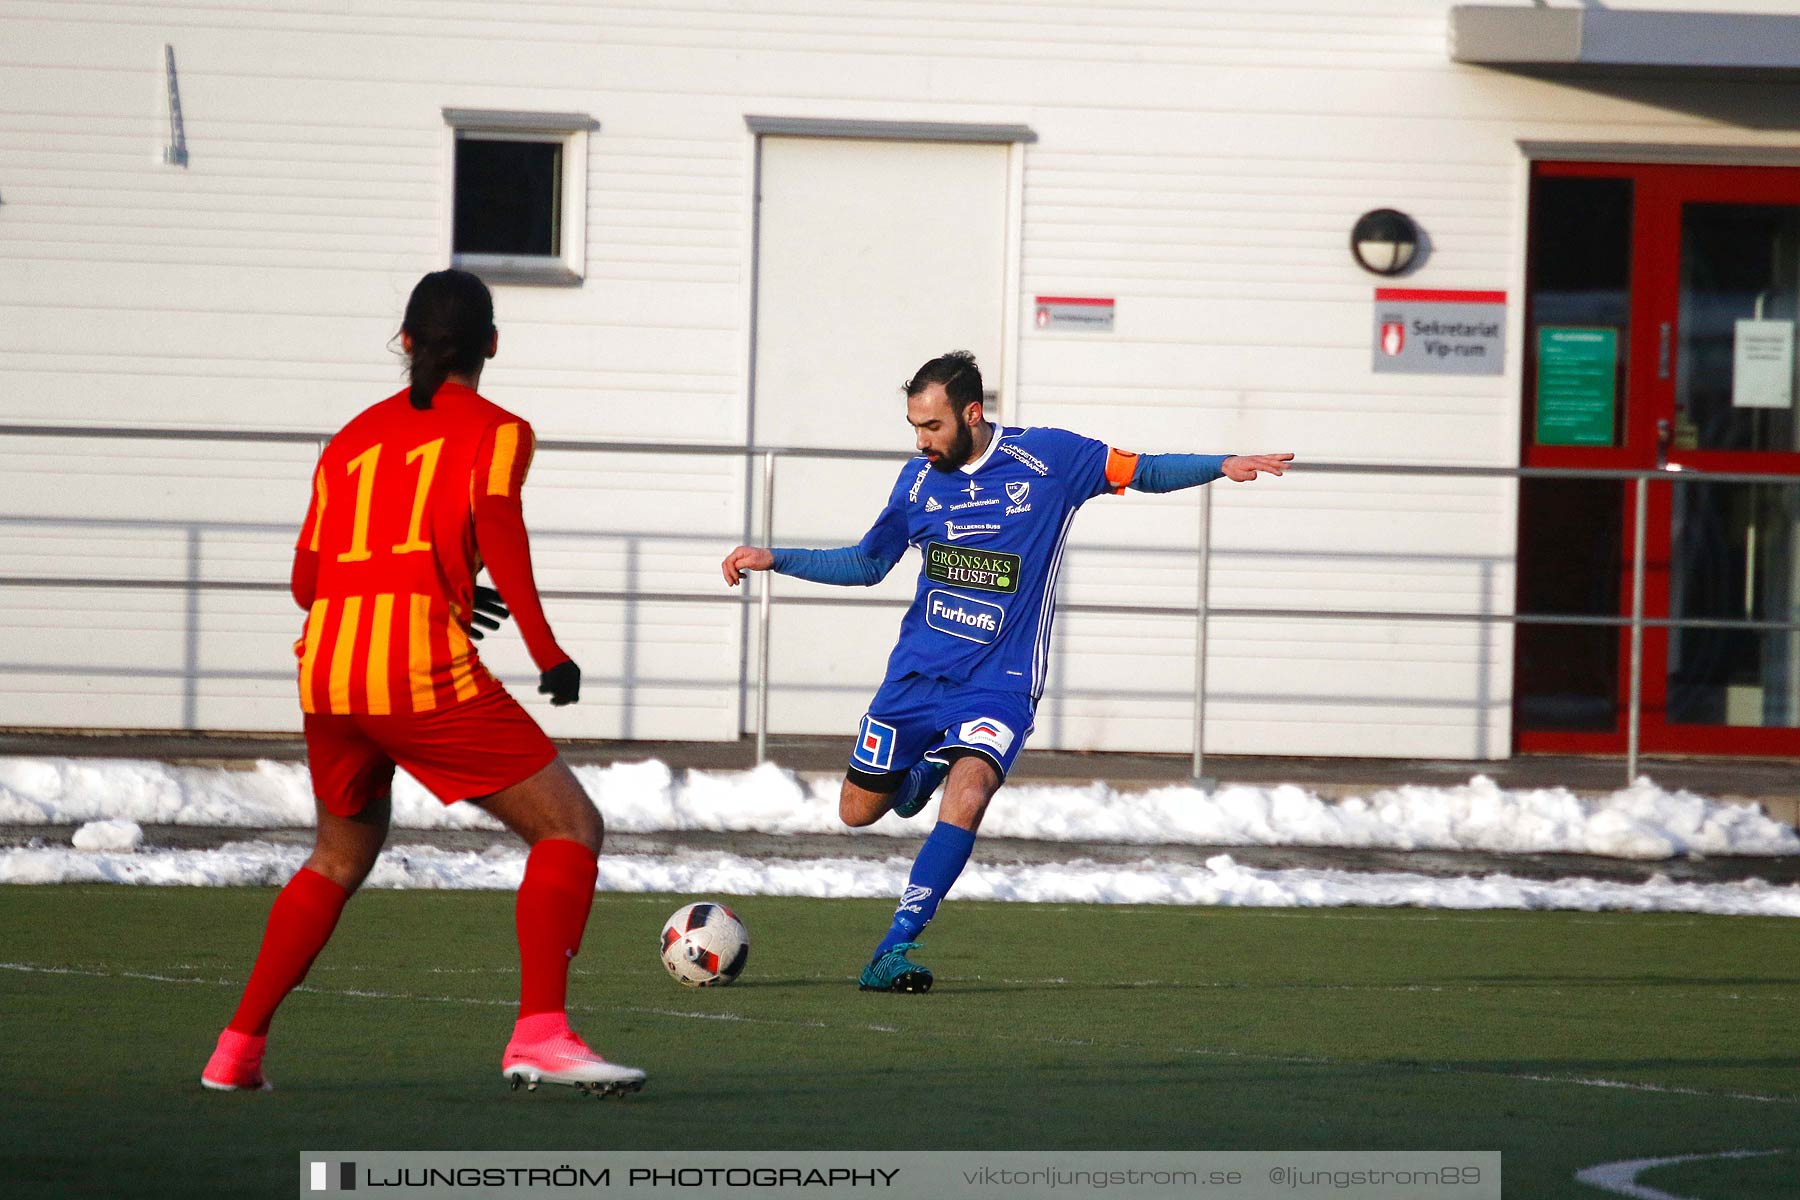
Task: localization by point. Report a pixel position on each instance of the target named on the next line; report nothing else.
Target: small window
(508, 197)
(518, 195)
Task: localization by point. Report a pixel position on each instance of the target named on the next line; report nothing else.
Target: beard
(961, 448)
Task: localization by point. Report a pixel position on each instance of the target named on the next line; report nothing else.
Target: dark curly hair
(956, 371)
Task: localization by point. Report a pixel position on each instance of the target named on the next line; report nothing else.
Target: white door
(872, 257)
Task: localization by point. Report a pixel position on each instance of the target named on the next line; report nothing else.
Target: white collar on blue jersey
(969, 468)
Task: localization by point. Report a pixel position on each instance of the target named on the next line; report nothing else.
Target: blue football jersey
(992, 535)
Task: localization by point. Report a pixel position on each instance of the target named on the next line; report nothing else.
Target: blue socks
(915, 790)
(941, 859)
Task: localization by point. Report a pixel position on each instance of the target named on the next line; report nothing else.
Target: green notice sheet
(1576, 372)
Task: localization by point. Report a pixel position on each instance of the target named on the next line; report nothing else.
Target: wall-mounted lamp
(1385, 241)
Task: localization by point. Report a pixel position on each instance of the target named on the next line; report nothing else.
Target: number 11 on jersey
(364, 466)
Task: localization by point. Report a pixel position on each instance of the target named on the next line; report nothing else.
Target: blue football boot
(893, 973)
(916, 790)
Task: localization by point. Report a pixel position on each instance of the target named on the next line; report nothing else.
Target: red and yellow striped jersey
(392, 524)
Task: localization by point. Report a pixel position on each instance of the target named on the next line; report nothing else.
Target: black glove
(562, 683)
(490, 610)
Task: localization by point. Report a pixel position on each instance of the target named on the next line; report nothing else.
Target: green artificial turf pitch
(1561, 1039)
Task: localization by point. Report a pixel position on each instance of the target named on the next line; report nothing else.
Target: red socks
(300, 924)
(539, 1028)
(552, 912)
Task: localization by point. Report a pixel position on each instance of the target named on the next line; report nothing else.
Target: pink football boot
(236, 1064)
(545, 1050)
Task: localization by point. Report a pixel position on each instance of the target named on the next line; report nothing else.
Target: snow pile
(111, 800)
(120, 836)
(65, 791)
(1640, 822)
(1221, 881)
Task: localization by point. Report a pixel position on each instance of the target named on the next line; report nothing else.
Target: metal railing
(1202, 612)
(1636, 621)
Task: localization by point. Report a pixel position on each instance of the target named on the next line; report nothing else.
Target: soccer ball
(705, 945)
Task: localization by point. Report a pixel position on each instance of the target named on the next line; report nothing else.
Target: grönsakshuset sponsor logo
(965, 567)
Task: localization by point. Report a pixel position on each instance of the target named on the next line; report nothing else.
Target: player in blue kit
(989, 508)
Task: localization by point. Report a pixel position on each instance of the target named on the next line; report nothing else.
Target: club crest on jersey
(1018, 491)
(875, 745)
(985, 731)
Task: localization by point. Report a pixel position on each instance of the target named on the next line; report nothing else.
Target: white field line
(1621, 1177)
(1046, 981)
(1571, 916)
(689, 1015)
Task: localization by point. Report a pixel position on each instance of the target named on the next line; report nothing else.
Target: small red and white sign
(1440, 331)
(1092, 313)
(1393, 337)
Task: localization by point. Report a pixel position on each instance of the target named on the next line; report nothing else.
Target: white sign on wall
(1433, 331)
(1090, 313)
(1762, 364)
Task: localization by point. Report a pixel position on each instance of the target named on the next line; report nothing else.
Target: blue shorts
(916, 717)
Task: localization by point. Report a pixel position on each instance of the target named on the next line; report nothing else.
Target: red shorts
(463, 752)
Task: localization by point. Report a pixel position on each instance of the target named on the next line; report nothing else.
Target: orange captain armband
(1121, 468)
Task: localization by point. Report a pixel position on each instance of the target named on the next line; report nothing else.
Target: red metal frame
(1659, 192)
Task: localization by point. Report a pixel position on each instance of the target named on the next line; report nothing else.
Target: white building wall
(1199, 162)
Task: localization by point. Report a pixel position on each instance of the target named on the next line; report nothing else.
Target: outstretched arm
(746, 558)
(1172, 472)
(849, 565)
(863, 564)
(1244, 468)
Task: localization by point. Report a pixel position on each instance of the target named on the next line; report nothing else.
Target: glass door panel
(1736, 555)
(1578, 311)
(1663, 311)
(1734, 385)
(1578, 325)
(1570, 555)
(1735, 547)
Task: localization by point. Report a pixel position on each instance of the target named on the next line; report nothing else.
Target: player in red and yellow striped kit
(386, 569)
(389, 595)
(410, 500)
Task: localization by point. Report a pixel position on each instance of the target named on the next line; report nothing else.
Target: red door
(1661, 317)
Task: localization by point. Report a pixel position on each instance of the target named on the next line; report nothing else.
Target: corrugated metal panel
(1201, 163)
